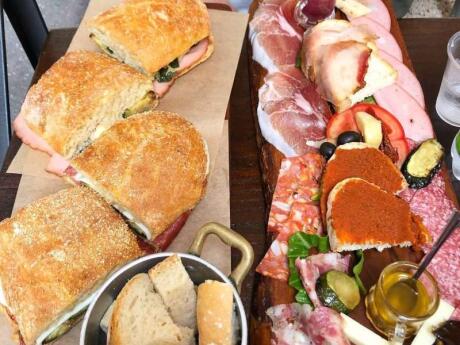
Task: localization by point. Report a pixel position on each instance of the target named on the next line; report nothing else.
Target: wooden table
(426, 40)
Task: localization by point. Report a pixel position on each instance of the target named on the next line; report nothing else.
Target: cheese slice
(352, 8)
(425, 335)
(360, 335)
(379, 74)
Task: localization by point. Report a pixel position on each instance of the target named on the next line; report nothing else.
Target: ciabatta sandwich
(54, 254)
(151, 167)
(163, 39)
(76, 100)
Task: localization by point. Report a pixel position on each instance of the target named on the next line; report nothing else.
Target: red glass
(311, 12)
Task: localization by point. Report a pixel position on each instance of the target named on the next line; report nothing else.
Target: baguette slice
(215, 313)
(139, 317)
(361, 215)
(172, 282)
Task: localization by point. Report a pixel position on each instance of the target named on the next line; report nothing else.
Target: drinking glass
(455, 153)
(448, 101)
(390, 312)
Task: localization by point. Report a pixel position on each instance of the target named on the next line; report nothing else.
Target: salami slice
(435, 208)
(294, 208)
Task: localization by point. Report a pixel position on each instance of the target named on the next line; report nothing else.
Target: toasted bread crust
(155, 165)
(214, 313)
(55, 250)
(77, 90)
(153, 33)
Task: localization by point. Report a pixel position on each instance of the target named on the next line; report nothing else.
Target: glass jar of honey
(397, 304)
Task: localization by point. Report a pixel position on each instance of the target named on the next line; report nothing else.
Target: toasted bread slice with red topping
(360, 160)
(361, 215)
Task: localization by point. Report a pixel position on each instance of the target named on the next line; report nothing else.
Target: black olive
(349, 137)
(327, 149)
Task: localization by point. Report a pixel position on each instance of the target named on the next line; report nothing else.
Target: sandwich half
(162, 39)
(361, 215)
(152, 167)
(76, 100)
(54, 255)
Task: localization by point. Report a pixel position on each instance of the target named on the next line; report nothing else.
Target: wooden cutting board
(269, 292)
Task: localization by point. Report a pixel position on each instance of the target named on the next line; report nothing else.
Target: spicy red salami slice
(294, 208)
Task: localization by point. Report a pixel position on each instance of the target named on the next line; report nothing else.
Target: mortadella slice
(385, 41)
(371, 9)
(406, 79)
(413, 118)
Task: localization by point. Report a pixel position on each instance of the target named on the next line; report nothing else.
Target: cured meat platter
(293, 119)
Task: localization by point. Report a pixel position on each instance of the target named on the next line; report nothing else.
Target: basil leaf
(174, 63)
(302, 297)
(357, 269)
(370, 100)
(323, 244)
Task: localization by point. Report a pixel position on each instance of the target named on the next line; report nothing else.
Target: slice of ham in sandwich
(360, 160)
(151, 167)
(361, 215)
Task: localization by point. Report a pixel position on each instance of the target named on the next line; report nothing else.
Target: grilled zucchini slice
(423, 163)
(338, 290)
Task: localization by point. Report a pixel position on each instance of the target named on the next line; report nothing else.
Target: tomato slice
(402, 146)
(393, 126)
(342, 122)
(345, 121)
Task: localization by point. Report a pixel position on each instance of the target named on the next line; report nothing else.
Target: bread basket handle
(233, 239)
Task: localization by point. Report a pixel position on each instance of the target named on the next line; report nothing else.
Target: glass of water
(455, 152)
(448, 102)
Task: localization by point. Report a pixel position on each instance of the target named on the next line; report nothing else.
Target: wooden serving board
(269, 292)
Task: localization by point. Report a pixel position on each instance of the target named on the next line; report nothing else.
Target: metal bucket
(198, 269)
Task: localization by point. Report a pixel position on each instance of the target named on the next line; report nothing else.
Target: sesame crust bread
(148, 35)
(82, 94)
(154, 164)
(55, 251)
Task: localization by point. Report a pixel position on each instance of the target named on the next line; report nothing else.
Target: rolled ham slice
(413, 118)
(186, 61)
(406, 79)
(385, 40)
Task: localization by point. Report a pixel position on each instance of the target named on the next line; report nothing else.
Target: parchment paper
(201, 95)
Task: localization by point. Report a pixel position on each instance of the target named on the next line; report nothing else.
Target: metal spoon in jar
(408, 287)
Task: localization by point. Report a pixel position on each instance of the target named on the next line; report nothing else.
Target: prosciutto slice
(274, 40)
(313, 266)
(296, 324)
(294, 208)
(291, 113)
